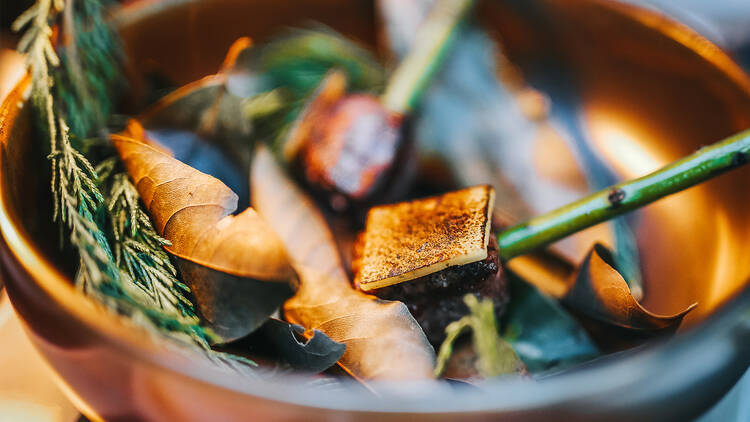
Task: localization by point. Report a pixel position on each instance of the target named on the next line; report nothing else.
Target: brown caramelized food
(436, 300)
(353, 147)
(429, 253)
(348, 147)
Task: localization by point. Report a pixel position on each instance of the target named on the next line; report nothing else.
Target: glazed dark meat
(436, 300)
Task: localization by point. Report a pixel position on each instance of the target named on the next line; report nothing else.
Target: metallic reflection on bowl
(649, 85)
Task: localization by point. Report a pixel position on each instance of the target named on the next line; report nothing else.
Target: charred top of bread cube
(409, 240)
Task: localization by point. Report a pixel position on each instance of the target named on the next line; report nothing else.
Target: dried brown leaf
(226, 259)
(383, 341)
(600, 293)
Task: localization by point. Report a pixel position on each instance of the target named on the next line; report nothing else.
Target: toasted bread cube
(412, 239)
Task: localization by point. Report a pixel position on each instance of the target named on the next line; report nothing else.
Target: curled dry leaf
(383, 341)
(294, 217)
(600, 293)
(235, 264)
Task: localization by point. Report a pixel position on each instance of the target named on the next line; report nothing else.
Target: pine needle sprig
(79, 206)
(41, 57)
(76, 203)
(73, 177)
(138, 248)
(87, 43)
(36, 42)
(138, 281)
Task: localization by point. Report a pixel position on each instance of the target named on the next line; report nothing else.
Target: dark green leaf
(469, 123)
(542, 333)
(222, 299)
(204, 156)
(314, 354)
(205, 108)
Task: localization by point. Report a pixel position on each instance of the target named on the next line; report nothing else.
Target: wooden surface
(27, 390)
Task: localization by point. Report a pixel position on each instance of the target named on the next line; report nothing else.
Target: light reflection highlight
(621, 146)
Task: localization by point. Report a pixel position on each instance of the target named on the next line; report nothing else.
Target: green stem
(434, 39)
(706, 163)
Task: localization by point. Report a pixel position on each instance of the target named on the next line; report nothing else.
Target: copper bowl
(652, 90)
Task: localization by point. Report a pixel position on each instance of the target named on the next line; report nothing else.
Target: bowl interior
(651, 91)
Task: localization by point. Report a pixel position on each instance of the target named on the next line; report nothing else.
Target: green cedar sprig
(138, 250)
(91, 58)
(138, 280)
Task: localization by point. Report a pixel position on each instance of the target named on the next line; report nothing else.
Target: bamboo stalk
(706, 163)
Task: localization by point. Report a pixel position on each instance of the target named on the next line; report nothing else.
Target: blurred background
(28, 391)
